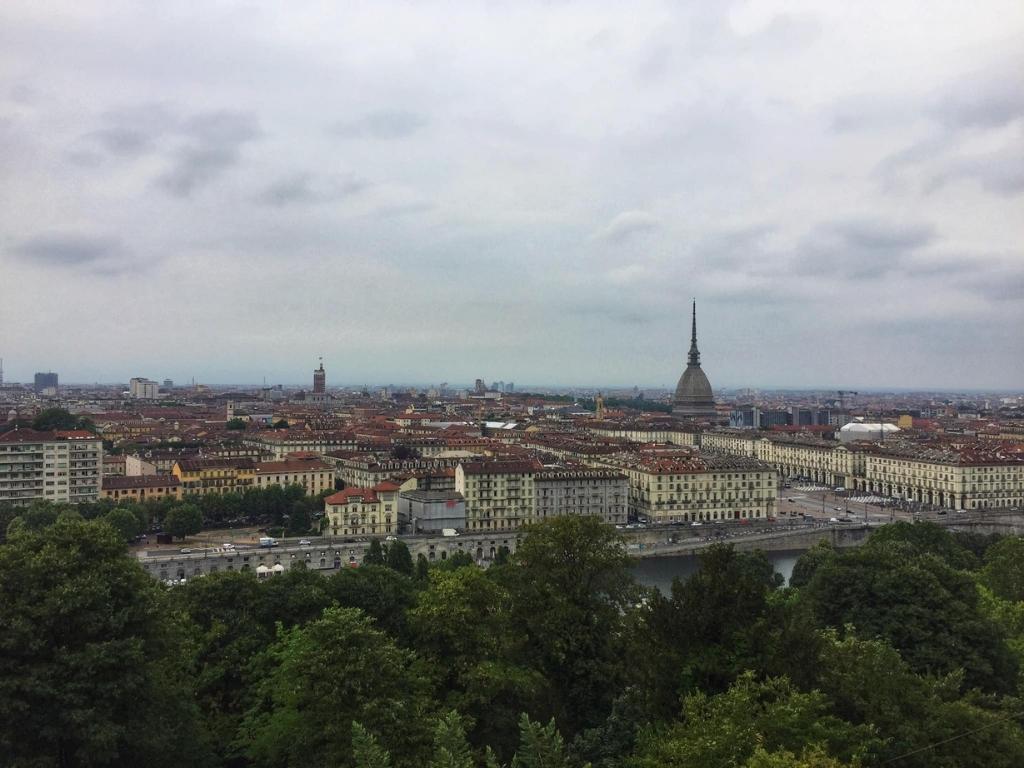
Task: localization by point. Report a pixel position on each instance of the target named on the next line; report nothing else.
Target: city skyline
(427, 195)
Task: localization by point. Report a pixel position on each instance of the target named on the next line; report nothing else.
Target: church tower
(694, 398)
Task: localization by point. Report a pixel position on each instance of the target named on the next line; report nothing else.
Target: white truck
(267, 541)
(449, 532)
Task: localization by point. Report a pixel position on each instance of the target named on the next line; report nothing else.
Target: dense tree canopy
(905, 651)
(90, 671)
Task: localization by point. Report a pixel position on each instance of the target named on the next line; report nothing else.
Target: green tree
(399, 558)
(926, 609)
(366, 752)
(713, 626)
(571, 588)
(451, 750)
(381, 593)
(374, 554)
(90, 666)
(320, 678)
(1004, 568)
(923, 538)
(422, 567)
(236, 423)
(60, 419)
(463, 622)
(809, 562)
(183, 520)
(125, 522)
(281, 424)
(540, 746)
(727, 729)
(913, 715)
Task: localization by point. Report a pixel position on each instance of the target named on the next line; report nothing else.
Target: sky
(431, 192)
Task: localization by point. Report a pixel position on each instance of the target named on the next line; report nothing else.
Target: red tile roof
(365, 495)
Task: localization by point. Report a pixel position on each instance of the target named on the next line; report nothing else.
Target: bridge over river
(330, 555)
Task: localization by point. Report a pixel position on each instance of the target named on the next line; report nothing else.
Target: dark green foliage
(463, 623)
(320, 678)
(125, 522)
(924, 538)
(570, 593)
(809, 562)
(870, 684)
(459, 559)
(374, 554)
(1004, 569)
(379, 592)
(727, 729)
(906, 593)
(366, 752)
(398, 558)
(236, 423)
(710, 629)
(90, 666)
(183, 520)
(60, 419)
(902, 652)
(451, 750)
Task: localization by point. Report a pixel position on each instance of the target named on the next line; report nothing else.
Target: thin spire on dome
(694, 358)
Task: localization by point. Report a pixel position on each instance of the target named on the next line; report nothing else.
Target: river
(659, 571)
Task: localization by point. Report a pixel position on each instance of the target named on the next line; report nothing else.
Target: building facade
(680, 488)
(139, 488)
(312, 474)
(58, 466)
(362, 511)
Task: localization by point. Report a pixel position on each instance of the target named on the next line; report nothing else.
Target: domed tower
(693, 398)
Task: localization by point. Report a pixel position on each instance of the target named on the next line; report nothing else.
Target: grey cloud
(1001, 173)
(305, 188)
(69, 250)
(861, 248)
(133, 131)
(382, 124)
(212, 143)
(1005, 284)
(986, 100)
(733, 248)
(625, 225)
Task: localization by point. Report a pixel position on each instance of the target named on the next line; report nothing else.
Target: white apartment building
(60, 466)
(144, 389)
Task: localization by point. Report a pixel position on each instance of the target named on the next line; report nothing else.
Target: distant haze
(513, 190)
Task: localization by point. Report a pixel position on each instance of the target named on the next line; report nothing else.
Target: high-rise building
(320, 379)
(694, 398)
(46, 383)
(143, 389)
(52, 466)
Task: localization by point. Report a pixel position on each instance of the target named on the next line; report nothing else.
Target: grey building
(431, 511)
(602, 493)
(45, 381)
(693, 398)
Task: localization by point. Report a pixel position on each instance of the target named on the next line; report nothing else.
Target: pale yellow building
(202, 476)
(690, 487)
(313, 475)
(363, 511)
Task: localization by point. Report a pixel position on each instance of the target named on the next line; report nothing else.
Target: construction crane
(842, 394)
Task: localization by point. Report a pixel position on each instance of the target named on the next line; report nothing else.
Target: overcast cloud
(532, 192)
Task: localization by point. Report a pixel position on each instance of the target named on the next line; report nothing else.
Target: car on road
(304, 542)
(228, 545)
(833, 519)
(695, 523)
(390, 538)
(186, 551)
